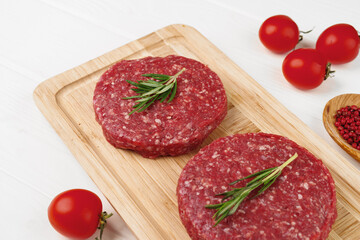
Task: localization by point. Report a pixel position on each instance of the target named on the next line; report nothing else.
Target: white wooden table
(39, 39)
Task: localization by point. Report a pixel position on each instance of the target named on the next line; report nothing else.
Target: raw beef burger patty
(299, 205)
(164, 128)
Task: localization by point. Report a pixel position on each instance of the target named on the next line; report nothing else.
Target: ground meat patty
(299, 205)
(164, 128)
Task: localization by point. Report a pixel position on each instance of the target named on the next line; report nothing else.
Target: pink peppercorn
(347, 121)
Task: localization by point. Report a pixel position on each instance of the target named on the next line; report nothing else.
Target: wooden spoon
(329, 120)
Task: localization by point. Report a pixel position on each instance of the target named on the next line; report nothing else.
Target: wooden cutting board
(143, 191)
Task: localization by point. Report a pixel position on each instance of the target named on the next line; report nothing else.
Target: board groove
(143, 191)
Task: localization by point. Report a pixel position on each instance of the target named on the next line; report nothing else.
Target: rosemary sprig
(150, 90)
(237, 195)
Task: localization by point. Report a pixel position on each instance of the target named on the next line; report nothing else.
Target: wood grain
(329, 120)
(143, 191)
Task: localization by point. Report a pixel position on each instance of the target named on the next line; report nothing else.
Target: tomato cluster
(307, 68)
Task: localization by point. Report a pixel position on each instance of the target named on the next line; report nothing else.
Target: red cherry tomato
(279, 34)
(305, 68)
(340, 43)
(75, 213)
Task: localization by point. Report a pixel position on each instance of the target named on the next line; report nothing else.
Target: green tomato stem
(102, 223)
(328, 72)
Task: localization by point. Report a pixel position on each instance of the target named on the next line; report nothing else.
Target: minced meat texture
(299, 205)
(173, 128)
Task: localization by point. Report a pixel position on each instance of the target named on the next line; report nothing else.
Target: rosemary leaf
(131, 97)
(153, 91)
(214, 206)
(237, 195)
(164, 95)
(148, 104)
(267, 185)
(150, 84)
(133, 83)
(154, 82)
(145, 88)
(255, 180)
(150, 90)
(173, 92)
(143, 99)
(157, 76)
(252, 175)
(165, 89)
(137, 107)
(139, 90)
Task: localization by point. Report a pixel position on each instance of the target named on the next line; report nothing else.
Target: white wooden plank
(23, 211)
(46, 40)
(35, 164)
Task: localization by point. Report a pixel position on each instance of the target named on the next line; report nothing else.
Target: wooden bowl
(329, 120)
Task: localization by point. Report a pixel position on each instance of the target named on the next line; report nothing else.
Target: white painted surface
(39, 39)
